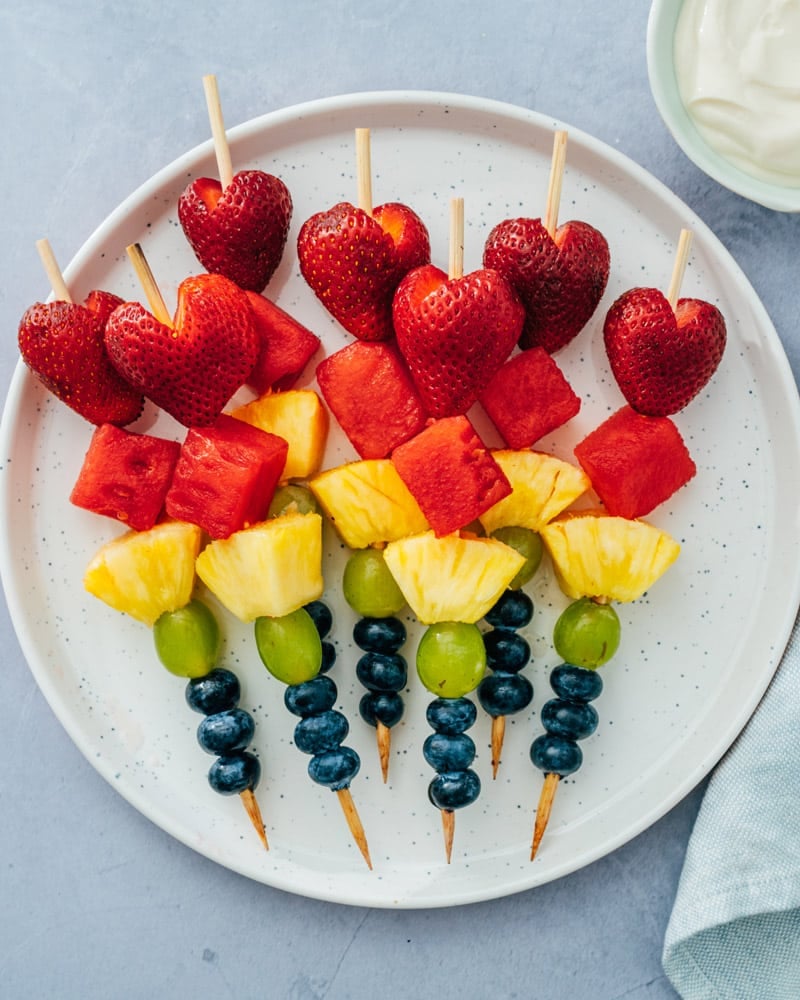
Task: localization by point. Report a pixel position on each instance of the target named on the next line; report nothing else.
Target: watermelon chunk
(286, 346)
(126, 476)
(450, 473)
(370, 392)
(635, 462)
(226, 476)
(528, 398)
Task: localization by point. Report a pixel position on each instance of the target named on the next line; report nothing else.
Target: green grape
(289, 647)
(293, 498)
(587, 634)
(369, 587)
(528, 544)
(451, 659)
(188, 640)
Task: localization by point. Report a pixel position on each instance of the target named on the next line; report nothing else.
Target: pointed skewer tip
(384, 738)
(498, 737)
(448, 829)
(546, 797)
(253, 811)
(354, 823)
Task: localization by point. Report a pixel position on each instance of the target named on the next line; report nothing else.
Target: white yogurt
(737, 64)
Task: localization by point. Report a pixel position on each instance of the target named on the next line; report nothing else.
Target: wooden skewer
(681, 260)
(53, 271)
(546, 797)
(251, 805)
(448, 829)
(148, 282)
(498, 736)
(364, 170)
(556, 177)
(384, 737)
(455, 268)
(221, 147)
(354, 822)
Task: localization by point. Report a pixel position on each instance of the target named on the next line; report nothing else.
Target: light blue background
(95, 901)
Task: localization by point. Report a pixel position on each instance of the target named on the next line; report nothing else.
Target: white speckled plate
(697, 651)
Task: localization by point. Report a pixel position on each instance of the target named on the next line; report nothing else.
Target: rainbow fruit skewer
(587, 632)
(186, 634)
(290, 647)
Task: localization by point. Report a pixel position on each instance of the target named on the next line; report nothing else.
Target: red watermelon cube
(370, 392)
(126, 476)
(635, 462)
(528, 398)
(286, 347)
(226, 476)
(450, 473)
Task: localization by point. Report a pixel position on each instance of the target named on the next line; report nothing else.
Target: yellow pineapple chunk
(269, 569)
(542, 487)
(451, 579)
(368, 503)
(145, 573)
(300, 418)
(598, 555)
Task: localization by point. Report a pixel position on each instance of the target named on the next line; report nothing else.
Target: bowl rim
(661, 25)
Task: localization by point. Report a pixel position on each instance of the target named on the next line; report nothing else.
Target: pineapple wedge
(368, 503)
(542, 487)
(451, 579)
(599, 555)
(269, 569)
(145, 573)
(299, 417)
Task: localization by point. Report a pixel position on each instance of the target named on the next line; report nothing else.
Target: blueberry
(454, 789)
(556, 755)
(379, 635)
(328, 656)
(224, 731)
(217, 691)
(382, 671)
(505, 650)
(574, 719)
(502, 693)
(451, 715)
(318, 733)
(321, 615)
(445, 752)
(513, 610)
(232, 773)
(311, 697)
(576, 683)
(335, 768)
(385, 707)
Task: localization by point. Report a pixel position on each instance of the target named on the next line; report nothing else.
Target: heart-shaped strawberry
(353, 262)
(560, 279)
(455, 333)
(193, 368)
(240, 232)
(63, 345)
(662, 358)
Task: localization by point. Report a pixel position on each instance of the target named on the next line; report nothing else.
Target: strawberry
(662, 359)
(240, 232)
(455, 333)
(559, 279)
(192, 369)
(353, 262)
(63, 345)
(286, 346)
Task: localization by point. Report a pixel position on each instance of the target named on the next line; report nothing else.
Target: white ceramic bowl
(661, 26)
